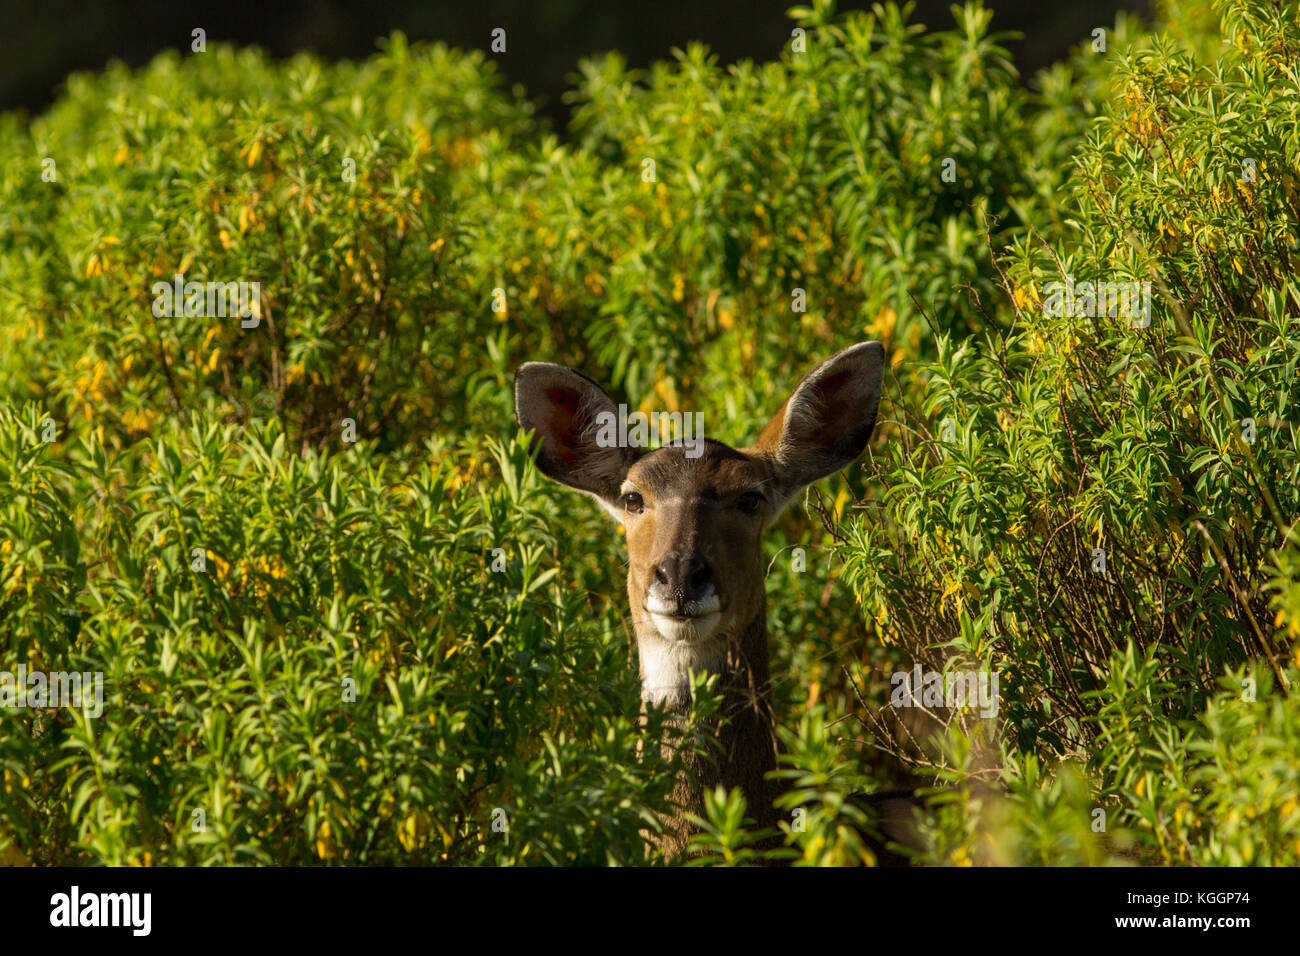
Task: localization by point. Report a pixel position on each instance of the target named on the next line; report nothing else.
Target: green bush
(346, 651)
(314, 653)
(327, 187)
(1169, 451)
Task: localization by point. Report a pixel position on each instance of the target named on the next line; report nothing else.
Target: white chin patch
(686, 630)
(670, 655)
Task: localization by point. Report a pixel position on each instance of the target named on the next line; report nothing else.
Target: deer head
(694, 518)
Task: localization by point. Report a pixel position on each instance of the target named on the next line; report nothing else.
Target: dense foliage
(341, 618)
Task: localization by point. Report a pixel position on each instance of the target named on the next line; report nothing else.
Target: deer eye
(633, 503)
(749, 502)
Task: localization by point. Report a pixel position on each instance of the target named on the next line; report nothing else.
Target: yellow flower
(842, 499)
(326, 848)
(882, 326)
(666, 389)
(16, 582)
(413, 832)
(459, 153)
(138, 419)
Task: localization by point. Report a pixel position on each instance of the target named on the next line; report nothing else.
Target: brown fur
(744, 745)
(701, 513)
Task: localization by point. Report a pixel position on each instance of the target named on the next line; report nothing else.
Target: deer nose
(686, 578)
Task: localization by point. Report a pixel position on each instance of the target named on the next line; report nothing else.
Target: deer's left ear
(827, 420)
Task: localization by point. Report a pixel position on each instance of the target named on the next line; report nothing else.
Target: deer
(693, 519)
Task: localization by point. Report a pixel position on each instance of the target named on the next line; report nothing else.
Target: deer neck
(741, 747)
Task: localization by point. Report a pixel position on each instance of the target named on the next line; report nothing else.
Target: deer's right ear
(572, 417)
